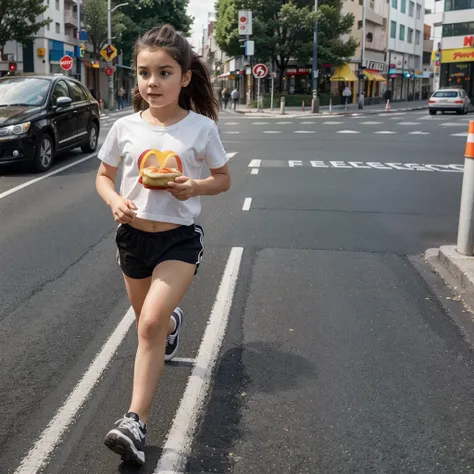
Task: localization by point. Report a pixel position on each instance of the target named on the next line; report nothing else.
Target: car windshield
(29, 91)
(445, 94)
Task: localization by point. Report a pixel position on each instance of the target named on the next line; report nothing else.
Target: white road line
(232, 133)
(247, 204)
(419, 133)
(254, 171)
(304, 131)
(255, 164)
(180, 437)
(388, 114)
(284, 123)
(463, 134)
(307, 123)
(370, 123)
(408, 123)
(348, 131)
(332, 123)
(183, 360)
(51, 436)
(44, 176)
(386, 132)
(260, 123)
(272, 131)
(231, 155)
(453, 124)
(230, 123)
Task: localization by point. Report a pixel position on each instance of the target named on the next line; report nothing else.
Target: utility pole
(315, 101)
(78, 58)
(109, 41)
(362, 57)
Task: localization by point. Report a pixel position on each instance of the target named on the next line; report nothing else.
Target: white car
(449, 100)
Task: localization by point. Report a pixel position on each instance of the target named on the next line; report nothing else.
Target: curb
(458, 272)
(342, 114)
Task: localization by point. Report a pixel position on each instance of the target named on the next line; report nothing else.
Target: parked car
(42, 115)
(449, 100)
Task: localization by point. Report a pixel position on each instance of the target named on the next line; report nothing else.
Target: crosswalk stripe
(348, 131)
(386, 132)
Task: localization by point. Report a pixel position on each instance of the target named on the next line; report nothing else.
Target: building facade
(405, 48)
(453, 43)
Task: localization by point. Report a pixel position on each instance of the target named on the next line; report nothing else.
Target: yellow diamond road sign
(108, 52)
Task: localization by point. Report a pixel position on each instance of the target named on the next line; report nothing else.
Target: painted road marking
(255, 163)
(272, 131)
(254, 171)
(370, 123)
(247, 204)
(419, 132)
(51, 436)
(348, 131)
(308, 123)
(232, 133)
(230, 123)
(260, 123)
(180, 436)
(463, 134)
(454, 168)
(453, 124)
(284, 123)
(231, 155)
(386, 132)
(408, 123)
(304, 131)
(332, 123)
(47, 175)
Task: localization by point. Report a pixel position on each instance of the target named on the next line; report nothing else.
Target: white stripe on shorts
(201, 239)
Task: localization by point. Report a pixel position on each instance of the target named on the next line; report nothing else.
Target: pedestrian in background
(120, 97)
(235, 98)
(346, 93)
(159, 245)
(225, 97)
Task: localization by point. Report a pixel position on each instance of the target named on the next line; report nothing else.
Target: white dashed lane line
(247, 204)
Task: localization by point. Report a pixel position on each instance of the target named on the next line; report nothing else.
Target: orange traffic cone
(387, 106)
(470, 141)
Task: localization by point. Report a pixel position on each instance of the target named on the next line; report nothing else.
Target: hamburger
(155, 177)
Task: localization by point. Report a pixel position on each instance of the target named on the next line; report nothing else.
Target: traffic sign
(66, 63)
(109, 71)
(260, 71)
(245, 22)
(109, 52)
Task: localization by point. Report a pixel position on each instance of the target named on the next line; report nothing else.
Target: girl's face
(160, 78)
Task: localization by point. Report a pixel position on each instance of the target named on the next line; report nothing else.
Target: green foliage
(19, 20)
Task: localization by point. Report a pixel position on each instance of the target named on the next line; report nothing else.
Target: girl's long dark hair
(199, 95)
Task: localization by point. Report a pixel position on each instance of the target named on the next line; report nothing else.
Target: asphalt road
(340, 353)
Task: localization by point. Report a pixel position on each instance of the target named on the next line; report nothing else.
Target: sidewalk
(458, 272)
(336, 110)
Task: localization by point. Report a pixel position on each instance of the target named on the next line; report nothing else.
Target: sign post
(259, 72)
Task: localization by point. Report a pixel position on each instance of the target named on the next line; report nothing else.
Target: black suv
(41, 115)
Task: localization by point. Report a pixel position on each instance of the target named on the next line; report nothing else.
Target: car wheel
(91, 144)
(432, 112)
(44, 156)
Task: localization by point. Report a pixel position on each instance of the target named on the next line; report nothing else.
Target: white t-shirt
(195, 140)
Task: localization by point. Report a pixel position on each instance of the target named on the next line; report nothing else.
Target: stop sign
(109, 71)
(66, 63)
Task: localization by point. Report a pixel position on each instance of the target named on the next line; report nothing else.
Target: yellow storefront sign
(455, 55)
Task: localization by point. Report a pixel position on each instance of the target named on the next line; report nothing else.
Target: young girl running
(159, 245)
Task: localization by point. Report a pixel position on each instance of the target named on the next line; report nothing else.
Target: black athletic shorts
(139, 252)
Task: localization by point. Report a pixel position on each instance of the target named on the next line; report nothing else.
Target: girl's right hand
(123, 210)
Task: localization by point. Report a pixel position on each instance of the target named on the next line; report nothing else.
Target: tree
(283, 30)
(19, 20)
(143, 15)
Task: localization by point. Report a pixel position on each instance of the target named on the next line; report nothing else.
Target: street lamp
(362, 58)
(110, 10)
(315, 101)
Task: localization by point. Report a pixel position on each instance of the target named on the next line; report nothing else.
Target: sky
(199, 10)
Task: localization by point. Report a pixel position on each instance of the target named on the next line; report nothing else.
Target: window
(460, 29)
(451, 94)
(57, 4)
(450, 5)
(47, 27)
(394, 3)
(418, 37)
(393, 30)
(410, 35)
(78, 94)
(411, 9)
(403, 8)
(60, 90)
(418, 11)
(426, 57)
(58, 28)
(402, 33)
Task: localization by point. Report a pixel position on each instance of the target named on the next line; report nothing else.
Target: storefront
(457, 67)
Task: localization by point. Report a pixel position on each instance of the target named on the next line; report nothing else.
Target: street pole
(315, 101)
(109, 41)
(78, 59)
(362, 57)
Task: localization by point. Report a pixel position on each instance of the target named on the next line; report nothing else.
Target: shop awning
(368, 75)
(377, 76)
(343, 73)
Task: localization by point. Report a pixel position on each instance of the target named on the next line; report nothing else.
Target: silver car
(449, 100)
